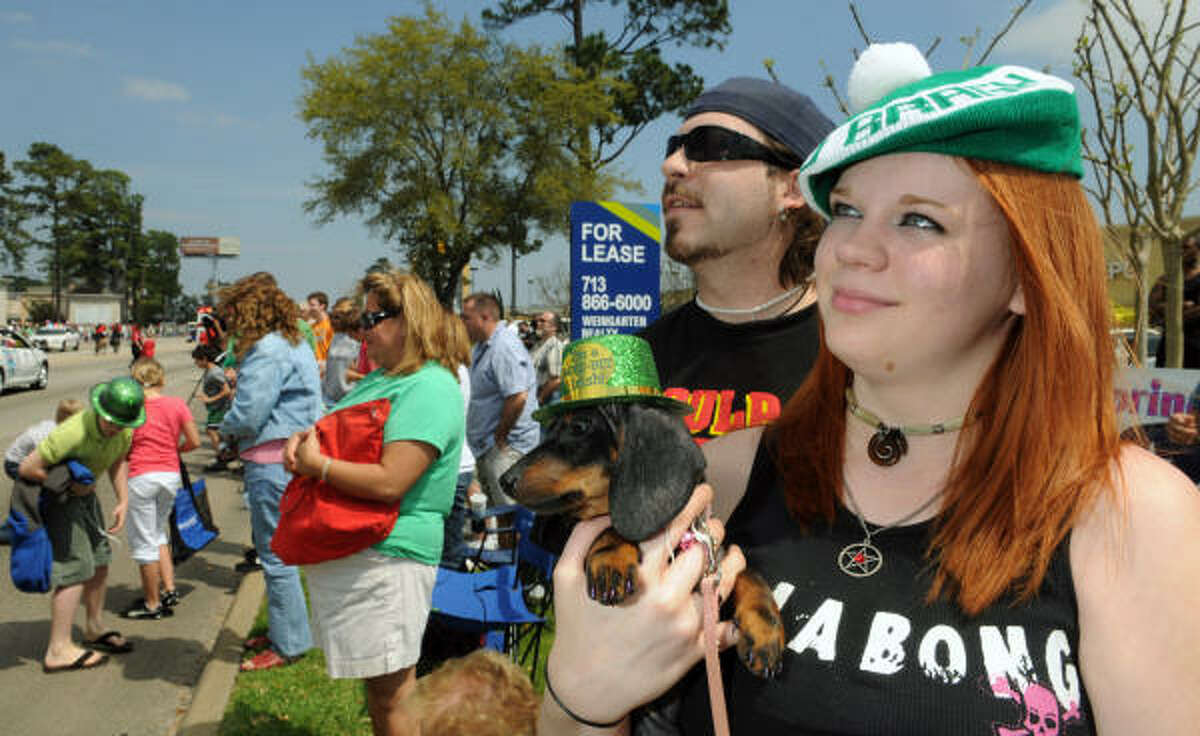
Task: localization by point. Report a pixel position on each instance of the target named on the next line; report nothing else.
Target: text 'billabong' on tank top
(869, 656)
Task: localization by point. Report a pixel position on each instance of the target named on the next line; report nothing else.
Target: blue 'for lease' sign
(614, 267)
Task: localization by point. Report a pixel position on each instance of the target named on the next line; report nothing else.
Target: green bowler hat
(605, 369)
(121, 402)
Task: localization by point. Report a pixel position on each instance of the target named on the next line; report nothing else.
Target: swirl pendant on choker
(889, 443)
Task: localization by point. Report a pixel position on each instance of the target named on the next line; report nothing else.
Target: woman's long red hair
(1043, 439)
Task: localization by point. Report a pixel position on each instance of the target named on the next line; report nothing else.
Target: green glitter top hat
(610, 368)
(120, 401)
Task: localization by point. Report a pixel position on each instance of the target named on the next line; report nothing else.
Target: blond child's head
(148, 372)
(482, 694)
(67, 408)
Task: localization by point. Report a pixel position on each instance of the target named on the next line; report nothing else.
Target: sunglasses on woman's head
(714, 143)
(369, 319)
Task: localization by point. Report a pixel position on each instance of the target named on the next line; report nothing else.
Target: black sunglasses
(369, 319)
(713, 143)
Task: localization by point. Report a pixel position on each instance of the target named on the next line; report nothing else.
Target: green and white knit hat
(1008, 114)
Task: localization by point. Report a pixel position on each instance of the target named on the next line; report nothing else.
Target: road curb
(211, 695)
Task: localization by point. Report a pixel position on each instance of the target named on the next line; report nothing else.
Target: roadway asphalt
(178, 677)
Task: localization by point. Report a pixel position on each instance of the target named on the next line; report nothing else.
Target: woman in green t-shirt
(369, 609)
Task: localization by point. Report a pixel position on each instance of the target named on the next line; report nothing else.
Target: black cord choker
(889, 443)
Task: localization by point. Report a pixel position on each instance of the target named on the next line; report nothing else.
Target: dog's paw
(611, 567)
(761, 640)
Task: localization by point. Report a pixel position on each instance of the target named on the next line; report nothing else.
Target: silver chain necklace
(863, 559)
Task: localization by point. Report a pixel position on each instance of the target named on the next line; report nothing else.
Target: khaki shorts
(369, 612)
(75, 526)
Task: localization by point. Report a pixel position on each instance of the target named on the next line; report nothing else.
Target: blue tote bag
(192, 527)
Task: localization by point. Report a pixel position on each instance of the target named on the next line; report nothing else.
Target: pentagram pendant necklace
(863, 559)
(889, 443)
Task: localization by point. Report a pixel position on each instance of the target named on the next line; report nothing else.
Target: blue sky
(198, 102)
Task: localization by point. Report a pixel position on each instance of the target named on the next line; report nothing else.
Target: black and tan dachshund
(639, 464)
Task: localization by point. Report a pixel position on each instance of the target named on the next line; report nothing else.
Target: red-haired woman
(958, 539)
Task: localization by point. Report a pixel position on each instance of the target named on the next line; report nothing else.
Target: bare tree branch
(862, 31)
(1003, 31)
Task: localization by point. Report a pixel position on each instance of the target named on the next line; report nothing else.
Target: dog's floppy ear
(657, 467)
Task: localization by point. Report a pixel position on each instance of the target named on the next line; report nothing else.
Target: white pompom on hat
(882, 68)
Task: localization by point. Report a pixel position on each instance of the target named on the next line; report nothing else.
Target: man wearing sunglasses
(736, 218)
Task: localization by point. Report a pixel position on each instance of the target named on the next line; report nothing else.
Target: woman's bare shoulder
(1134, 557)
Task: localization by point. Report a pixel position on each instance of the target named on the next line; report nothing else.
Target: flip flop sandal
(106, 642)
(81, 663)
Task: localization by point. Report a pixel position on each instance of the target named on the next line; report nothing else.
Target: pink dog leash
(698, 534)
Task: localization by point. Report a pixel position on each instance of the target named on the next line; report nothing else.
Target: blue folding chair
(476, 552)
(489, 602)
(536, 567)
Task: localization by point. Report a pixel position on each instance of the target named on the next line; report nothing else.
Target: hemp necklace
(889, 443)
(751, 310)
(863, 559)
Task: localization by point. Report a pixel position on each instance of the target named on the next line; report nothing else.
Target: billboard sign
(198, 246)
(206, 247)
(614, 267)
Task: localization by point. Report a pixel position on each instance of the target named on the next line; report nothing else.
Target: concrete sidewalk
(178, 677)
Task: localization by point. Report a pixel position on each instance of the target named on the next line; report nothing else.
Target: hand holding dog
(607, 660)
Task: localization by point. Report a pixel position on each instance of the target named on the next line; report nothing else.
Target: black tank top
(869, 656)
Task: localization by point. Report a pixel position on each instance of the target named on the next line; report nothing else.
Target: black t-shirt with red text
(732, 375)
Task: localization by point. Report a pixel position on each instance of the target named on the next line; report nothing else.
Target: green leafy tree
(13, 238)
(184, 308)
(157, 277)
(629, 60)
(449, 142)
(102, 224)
(42, 311)
(49, 194)
(381, 265)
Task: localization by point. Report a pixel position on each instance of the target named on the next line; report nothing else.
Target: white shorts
(369, 612)
(151, 498)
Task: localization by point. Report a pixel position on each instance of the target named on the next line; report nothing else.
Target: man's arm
(33, 467)
(509, 413)
(118, 473)
(547, 389)
(554, 369)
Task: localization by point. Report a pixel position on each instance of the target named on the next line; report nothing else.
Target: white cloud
(1051, 34)
(155, 90)
(15, 16)
(57, 48)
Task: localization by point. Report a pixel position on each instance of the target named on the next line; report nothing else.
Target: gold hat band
(604, 392)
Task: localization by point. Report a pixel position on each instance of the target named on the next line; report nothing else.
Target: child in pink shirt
(153, 480)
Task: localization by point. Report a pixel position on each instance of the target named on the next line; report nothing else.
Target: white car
(21, 364)
(56, 338)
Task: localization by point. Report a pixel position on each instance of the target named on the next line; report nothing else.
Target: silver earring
(783, 215)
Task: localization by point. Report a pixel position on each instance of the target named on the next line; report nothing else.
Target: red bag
(317, 522)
